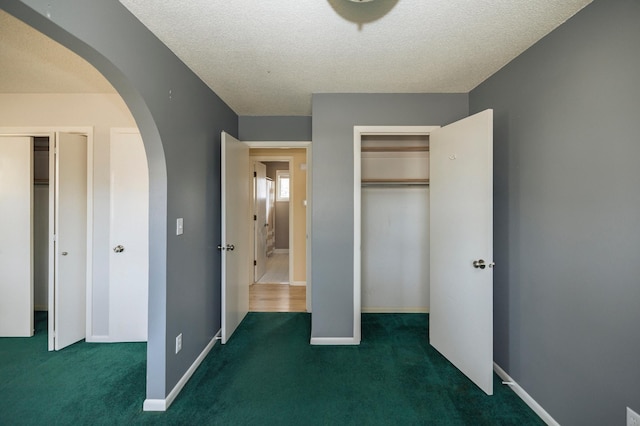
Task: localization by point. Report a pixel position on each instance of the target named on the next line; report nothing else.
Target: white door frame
(290, 145)
(358, 132)
(50, 132)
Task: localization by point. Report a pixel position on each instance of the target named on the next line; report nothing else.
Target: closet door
(16, 234)
(461, 246)
(70, 254)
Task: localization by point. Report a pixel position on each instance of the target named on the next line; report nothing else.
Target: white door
(260, 220)
(236, 208)
(16, 235)
(461, 226)
(129, 238)
(70, 252)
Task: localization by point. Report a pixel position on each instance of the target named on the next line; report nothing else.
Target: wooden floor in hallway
(277, 298)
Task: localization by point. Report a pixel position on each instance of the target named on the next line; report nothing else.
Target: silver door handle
(230, 247)
(118, 249)
(64, 253)
(480, 264)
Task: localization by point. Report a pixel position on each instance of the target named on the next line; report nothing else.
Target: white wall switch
(180, 226)
(178, 342)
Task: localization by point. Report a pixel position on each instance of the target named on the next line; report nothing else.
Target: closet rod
(395, 183)
(394, 149)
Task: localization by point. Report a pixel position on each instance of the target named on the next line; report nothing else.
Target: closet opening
(395, 223)
(40, 227)
(391, 221)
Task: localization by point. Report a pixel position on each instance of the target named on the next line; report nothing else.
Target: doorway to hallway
(280, 230)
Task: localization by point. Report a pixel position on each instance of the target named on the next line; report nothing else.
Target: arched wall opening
(180, 120)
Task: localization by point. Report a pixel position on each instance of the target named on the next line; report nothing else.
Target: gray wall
(334, 116)
(180, 119)
(274, 128)
(567, 215)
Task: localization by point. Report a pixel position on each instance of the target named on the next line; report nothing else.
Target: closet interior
(40, 223)
(395, 223)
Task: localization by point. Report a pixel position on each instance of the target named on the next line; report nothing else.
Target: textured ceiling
(268, 57)
(31, 62)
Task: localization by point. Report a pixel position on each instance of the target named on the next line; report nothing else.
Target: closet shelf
(395, 182)
(394, 148)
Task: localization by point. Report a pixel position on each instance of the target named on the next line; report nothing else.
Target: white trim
(334, 341)
(308, 205)
(89, 263)
(281, 251)
(278, 144)
(164, 404)
(357, 231)
(393, 310)
(358, 132)
(100, 339)
(298, 283)
(537, 408)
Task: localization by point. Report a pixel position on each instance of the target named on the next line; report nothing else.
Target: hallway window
(282, 185)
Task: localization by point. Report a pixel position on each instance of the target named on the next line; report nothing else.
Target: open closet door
(16, 234)
(235, 246)
(70, 251)
(461, 246)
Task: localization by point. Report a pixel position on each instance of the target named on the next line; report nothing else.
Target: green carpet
(268, 374)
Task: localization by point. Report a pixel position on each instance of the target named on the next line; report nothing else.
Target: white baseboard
(164, 404)
(299, 283)
(105, 338)
(334, 341)
(384, 310)
(537, 408)
(281, 251)
(98, 339)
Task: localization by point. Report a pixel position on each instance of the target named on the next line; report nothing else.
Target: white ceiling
(268, 57)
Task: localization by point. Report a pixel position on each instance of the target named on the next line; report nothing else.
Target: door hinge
(55, 238)
(255, 263)
(255, 174)
(255, 217)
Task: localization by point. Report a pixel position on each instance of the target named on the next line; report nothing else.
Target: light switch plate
(178, 342)
(180, 226)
